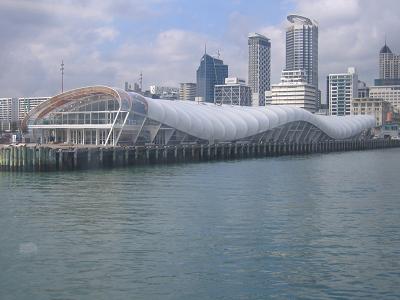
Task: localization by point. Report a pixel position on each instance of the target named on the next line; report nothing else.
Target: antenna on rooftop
(205, 48)
(218, 53)
(62, 76)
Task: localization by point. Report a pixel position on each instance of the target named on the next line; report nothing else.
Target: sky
(108, 42)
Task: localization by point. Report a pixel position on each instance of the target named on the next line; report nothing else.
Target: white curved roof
(228, 123)
(209, 121)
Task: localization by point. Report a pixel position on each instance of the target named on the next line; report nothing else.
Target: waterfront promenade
(49, 157)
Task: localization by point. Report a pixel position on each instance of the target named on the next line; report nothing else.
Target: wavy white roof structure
(203, 121)
(227, 123)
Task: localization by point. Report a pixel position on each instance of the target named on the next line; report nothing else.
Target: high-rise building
(259, 76)
(302, 47)
(27, 104)
(294, 91)
(187, 91)
(15, 109)
(233, 92)
(211, 71)
(8, 109)
(341, 89)
(389, 67)
(388, 64)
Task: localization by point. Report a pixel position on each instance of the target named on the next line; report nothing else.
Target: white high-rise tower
(302, 47)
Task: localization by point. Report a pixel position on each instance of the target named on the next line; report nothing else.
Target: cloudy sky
(112, 41)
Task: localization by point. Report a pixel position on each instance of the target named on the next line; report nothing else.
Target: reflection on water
(318, 226)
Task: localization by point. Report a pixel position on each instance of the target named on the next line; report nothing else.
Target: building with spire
(212, 71)
(387, 86)
(389, 67)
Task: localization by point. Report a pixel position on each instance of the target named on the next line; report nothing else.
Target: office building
(389, 67)
(233, 92)
(259, 73)
(25, 105)
(363, 90)
(382, 110)
(341, 89)
(8, 109)
(294, 91)
(319, 100)
(268, 98)
(187, 91)
(164, 91)
(302, 47)
(136, 87)
(387, 93)
(15, 109)
(211, 71)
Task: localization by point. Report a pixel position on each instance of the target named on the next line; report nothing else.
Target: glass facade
(211, 72)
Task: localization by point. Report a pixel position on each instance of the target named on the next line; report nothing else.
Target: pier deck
(49, 157)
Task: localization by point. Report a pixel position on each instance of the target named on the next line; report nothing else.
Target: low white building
(390, 93)
(233, 92)
(372, 106)
(187, 91)
(294, 91)
(167, 92)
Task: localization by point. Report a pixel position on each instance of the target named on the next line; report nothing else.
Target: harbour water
(296, 227)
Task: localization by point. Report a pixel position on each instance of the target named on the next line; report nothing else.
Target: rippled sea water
(299, 227)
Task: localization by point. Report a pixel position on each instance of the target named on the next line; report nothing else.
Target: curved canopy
(208, 121)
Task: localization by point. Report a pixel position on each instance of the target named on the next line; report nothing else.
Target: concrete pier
(58, 157)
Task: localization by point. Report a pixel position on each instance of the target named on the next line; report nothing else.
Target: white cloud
(351, 33)
(86, 34)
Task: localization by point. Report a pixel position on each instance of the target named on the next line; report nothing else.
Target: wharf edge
(61, 157)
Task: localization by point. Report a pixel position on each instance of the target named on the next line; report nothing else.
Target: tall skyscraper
(211, 71)
(259, 67)
(389, 67)
(342, 88)
(388, 64)
(302, 47)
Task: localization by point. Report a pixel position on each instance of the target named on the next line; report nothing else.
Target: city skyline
(100, 45)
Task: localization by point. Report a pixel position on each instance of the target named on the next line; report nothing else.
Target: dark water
(311, 227)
